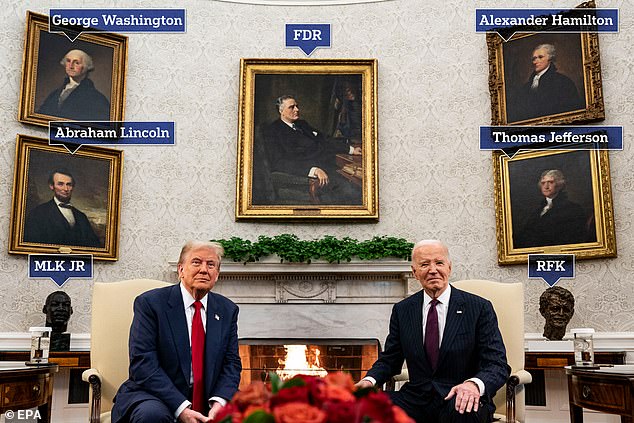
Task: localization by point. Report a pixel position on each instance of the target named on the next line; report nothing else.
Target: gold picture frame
(575, 73)
(38, 224)
(580, 219)
(276, 177)
(99, 97)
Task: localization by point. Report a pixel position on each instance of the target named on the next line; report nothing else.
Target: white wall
(434, 181)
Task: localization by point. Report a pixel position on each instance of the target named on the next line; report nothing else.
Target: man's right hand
(321, 176)
(363, 383)
(190, 416)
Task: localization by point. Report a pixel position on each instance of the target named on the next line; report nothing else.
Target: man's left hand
(214, 409)
(467, 397)
(356, 151)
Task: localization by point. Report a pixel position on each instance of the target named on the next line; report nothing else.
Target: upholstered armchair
(111, 319)
(508, 302)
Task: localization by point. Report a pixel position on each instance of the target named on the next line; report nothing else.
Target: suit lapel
(212, 340)
(454, 321)
(175, 315)
(416, 317)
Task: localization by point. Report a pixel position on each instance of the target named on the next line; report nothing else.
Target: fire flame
(296, 363)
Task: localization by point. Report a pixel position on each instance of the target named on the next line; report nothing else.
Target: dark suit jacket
(556, 93)
(160, 353)
(471, 347)
(83, 103)
(564, 223)
(297, 151)
(47, 225)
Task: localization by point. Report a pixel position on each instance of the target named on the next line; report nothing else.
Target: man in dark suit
(296, 148)
(452, 345)
(77, 98)
(58, 221)
(184, 361)
(547, 92)
(557, 220)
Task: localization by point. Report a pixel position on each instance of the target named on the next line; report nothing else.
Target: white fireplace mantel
(272, 265)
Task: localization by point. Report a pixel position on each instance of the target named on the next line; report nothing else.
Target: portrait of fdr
(307, 142)
(543, 76)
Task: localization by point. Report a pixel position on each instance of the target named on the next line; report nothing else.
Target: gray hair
(192, 245)
(279, 102)
(426, 242)
(550, 51)
(85, 57)
(558, 176)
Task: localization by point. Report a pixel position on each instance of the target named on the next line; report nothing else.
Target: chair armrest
(521, 377)
(93, 377)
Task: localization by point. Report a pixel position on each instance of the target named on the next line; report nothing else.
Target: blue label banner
(60, 267)
(515, 138)
(506, 22)
(72, 134)
(73, 22)
(551, 267)
(307, 36)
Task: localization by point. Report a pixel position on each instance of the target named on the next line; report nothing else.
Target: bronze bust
(557, 305)
(58, 311)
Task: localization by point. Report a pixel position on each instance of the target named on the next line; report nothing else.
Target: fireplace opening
(290, 356)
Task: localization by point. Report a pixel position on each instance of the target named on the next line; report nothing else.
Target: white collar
(442, 299)
(188, 300)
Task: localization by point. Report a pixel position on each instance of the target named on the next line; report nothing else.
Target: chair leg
(511, 384)
(95, 405)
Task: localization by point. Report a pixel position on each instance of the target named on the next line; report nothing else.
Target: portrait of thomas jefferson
(74, 80)
(552, 200)
(543, 76)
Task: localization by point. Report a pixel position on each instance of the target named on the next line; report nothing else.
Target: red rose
(254, 394)
(325, 393)
(228, 410)
(341, 379)
(341, 412)
(298, 412)
(292, 394)
(377, 407)
(401, 416)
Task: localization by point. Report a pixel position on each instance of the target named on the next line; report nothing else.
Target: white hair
(426, 242)
(194, 245)
(550, 51)
(85, 57)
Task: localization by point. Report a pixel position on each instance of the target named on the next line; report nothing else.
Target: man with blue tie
(452, 345)
(184, 360)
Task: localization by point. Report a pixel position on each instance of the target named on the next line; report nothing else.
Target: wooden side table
(23, 387)
(608, 389)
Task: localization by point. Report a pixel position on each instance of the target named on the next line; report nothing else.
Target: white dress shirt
(188, 302)
(66, 212)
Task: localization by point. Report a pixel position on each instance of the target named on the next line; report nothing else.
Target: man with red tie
(452, 345)
(184, 360)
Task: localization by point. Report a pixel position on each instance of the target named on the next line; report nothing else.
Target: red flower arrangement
(311, 399)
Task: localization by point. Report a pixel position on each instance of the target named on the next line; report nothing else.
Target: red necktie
(431, 334)
(198, 354)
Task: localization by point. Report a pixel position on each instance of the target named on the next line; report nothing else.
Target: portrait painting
(307, 140)
(65, 203)
(545, 79)
(553, 201)
(83, 80)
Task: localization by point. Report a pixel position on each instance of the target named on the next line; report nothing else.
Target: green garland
(292, 249)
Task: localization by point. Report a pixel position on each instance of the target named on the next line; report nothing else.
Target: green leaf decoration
(276, 382)
(259, 416)
(293, 382)
(334, 250)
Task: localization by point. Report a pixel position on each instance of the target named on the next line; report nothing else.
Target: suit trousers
(434, 409)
